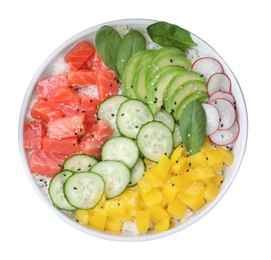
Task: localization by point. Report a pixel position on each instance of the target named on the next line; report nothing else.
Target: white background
(237, 228)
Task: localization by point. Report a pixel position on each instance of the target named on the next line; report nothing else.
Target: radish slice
(218, 82)
(207, 66)
(225, 137)
(226, 112)
(212, 118)
(222, 94)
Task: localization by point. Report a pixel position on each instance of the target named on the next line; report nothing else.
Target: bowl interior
(54, 65)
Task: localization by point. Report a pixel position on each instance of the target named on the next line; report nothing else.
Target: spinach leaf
(193, 127)
(108, 42)
(132, 42)
(170, 35)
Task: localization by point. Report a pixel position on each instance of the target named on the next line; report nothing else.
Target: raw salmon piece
(67, 147)
(33, 133)
(44, 87)
(94, 62)
(93, 141)
(78, 55)
(81, 78)
(45, 163)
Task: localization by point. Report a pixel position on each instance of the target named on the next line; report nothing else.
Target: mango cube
(200, 173)
(142, 220)
(194, 203)
(152, 180)
(210, 192)
(152, 198)
(158, 213)
(116, 208)
(213, 157)
(98, 218)
(180, 165)
(177, 153)
(164, 164)
(114, 225)
(195, 189)
(169, 191)
(82, 217)
(176, 208)
(197, 160)
(162, 225)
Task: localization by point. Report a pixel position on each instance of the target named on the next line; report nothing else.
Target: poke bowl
(133, 130)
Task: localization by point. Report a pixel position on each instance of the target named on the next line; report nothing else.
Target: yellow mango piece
(158, 213)
(116, 208)
(169, 191)
(210, 192)
(176, 208)
(180, 165)
(227, 155)
(207, 146)
(82, 216)
(177, 153)
(152, 198)
(162, 225)
(149, 164)
(214, 156)
(98, 218)
(130, 197)
(143, 186)
(197, 160)
(194, 203)
(195, 189)
(219, 166)
(216, 180)
(152, 180)
(181, 182)
(164, 164)
(200, 173)
(163, 202)
(114, 225)
(162, 175)
(142, 220)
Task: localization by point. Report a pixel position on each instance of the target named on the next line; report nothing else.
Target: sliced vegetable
(221, 94)
(155, 139)
(212, 118)
(79, 163)
(132, 114)
(84, 190)
(121, 149)
(170, 35)
(166, 118)
(116, 176)
(218, 82)
(137, 172)
(56, 193)
(193, 127)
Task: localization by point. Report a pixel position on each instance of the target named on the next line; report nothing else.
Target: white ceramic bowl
(48, 68)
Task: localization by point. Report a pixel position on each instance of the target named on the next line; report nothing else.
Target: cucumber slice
(177, 139)
(127, 78)
(131, 115)
(166, 118)
(121, 149)
(79, 163)
(56, 190)
(108, 110)
(137, 172)
(155, 139)
(116, 176)
(84, 190)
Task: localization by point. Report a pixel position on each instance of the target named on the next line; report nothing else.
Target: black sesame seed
(77, 220)
(90, 100)
(155, 89)
(112, 114)
(83, 111)
(201, 75)
(64, 174)
(110, 85)
(89, 165)
(77, 110)
(221, 125)
(165, 153)
(155, 101)
(75, 188)
(136, 126)
(75, 133)
(189, 164)
(59, 165)
(222, 135)
(171, 60)
(187, 170)
(118, 204)
(172, 184)
(177, 161)
(122, 114)
(92, 135)
(175, 103)
(207, 158)
(132, 86)
(79, 169)
(215, 102)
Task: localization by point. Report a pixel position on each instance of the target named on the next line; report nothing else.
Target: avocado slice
(185, 90)
(177, 83)
(167, 56)
(140, 75)
(199, 96)
(157, 85)
(127, 78)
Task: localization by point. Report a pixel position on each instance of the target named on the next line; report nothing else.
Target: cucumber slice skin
(79, 162)
(108, 110)
(116, 176)
(166, 118)
(137, 172)
(131, 115)
(177, 139)
(115, 147)
(56, 193)
(155, 135)
(77, 194)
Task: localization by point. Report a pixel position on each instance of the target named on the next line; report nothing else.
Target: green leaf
(108, 42)
(193, 127)
(132, 43)
(170, 35)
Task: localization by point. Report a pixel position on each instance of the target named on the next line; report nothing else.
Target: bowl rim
(100, 234)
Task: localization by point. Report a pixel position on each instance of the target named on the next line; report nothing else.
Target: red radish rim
(224, 92)
(218, 116)
(235, 113)
(232, 141)
(222, 73)
(206, 57)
